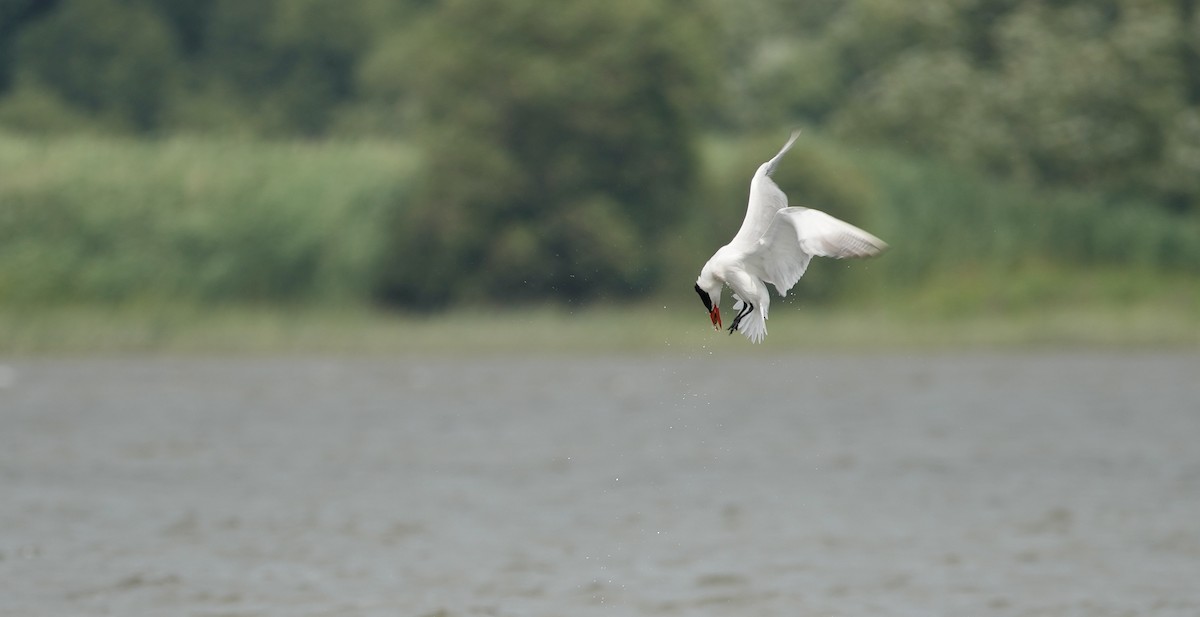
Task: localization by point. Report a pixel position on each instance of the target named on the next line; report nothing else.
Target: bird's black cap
(704, 298)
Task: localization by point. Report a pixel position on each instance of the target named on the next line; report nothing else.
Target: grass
(87, 219)
(672, 328)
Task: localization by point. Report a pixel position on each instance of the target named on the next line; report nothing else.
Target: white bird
(774, 246)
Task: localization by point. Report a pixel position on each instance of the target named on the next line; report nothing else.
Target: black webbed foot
(746, 309)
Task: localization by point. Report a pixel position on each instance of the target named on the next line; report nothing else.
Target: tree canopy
(559, 144)
(1070, 91)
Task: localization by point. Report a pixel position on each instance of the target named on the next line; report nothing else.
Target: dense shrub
(115, 221)
(559, 142)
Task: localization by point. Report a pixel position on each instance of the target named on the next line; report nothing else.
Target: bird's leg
(749, 308)
(738, 319)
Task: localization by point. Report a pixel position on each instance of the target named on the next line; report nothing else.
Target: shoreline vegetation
(199, 245)
(639, 329)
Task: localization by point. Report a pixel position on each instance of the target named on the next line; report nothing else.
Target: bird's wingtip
(878, 245)
(768, 168)
(791, 139)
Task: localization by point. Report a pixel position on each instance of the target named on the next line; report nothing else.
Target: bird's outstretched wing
(795, 235)
(766, 198)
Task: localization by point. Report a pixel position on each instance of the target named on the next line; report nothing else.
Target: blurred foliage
(90, 219)
(583, 149)
(1101, 94)
(219, 221)
(1067, 93)
(572, 149)
(114, 60)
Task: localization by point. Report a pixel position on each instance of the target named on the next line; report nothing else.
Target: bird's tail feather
(754, 327)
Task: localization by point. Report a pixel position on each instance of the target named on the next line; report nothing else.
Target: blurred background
(433, 182)
(413, 156)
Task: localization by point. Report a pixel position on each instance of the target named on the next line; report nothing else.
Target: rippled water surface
(1033, 484)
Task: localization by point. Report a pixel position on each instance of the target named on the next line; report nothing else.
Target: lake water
(1038, 484)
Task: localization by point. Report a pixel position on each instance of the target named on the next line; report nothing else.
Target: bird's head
(709, 290)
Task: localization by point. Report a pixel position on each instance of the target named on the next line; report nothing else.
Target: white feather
(775, 245)
(795, 236)
(766, 198)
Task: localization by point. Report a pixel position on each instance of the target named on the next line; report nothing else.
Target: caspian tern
(774, 246)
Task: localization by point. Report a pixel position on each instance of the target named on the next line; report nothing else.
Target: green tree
(115, 60)
(287, 64)
(560, 143)
(1083, 93)
(14, 15)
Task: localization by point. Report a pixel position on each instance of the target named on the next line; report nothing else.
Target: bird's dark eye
(704, 298)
